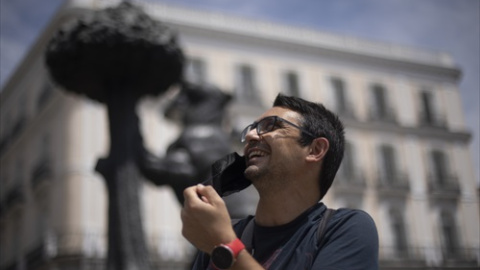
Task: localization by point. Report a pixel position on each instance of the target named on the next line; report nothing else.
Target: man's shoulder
(343, 214)
(354, 223)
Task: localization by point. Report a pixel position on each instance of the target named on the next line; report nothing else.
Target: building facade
(407, 160)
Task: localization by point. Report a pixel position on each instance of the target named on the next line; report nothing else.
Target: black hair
(320, 122)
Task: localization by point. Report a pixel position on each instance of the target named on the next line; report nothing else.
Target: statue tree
(117, 56)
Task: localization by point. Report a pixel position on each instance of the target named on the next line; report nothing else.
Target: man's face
(275, 155)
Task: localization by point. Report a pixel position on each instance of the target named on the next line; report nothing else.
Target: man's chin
(252, 172)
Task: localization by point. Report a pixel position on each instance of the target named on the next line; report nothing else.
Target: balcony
(444, 186)
(41, 172)
(11, 135)
(386, 116)
(18, 127)
(350, 181)
(409, 256)
(4, 142)
(36, 256)
(14, 197)
(395, 184)
(45, 95)
(346, 112)
(428, 257)
(432, 120)
(459, 256)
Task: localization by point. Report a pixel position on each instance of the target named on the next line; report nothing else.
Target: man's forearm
(245, 261)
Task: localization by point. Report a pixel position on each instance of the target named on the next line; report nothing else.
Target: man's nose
(252, 135)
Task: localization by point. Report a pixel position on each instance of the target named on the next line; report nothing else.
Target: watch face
(222, 257)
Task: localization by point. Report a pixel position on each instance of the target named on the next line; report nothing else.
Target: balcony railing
(388, 116)
(18, 127)
(404, 254)
(351, 181)
(36, 256)
(44, 96)
(434, 120)
(41, 172)
(429, 256)
(397, 183)
(444, 186)
(12, 134)
(4, 143)
(15, 196)
(346, 111)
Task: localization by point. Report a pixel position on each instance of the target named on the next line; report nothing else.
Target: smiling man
(292, 153)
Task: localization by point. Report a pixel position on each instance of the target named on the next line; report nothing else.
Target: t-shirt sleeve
(351, 243)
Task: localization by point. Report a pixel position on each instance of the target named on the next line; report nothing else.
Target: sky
(451, 26)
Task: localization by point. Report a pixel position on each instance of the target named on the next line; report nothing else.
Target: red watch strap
(236, 246)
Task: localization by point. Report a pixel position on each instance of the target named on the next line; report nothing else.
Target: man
(292, 153)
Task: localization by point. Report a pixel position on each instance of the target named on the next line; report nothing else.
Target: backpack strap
(322, 226)
(247, 236)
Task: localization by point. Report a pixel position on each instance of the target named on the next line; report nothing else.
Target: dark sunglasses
(268, 124)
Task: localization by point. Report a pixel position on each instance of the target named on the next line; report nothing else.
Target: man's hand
(206, 222)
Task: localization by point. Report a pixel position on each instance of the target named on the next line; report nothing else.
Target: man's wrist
(224, 255)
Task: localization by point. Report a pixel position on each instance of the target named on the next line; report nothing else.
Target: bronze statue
(117, 56)
(202, 152)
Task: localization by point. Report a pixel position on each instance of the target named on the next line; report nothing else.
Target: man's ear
(318, 149)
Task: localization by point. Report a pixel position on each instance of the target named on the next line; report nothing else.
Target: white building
(407, 159)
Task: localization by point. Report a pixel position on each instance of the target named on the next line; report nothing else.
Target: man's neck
(278, 207)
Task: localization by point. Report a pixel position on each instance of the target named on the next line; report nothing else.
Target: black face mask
(227, 175)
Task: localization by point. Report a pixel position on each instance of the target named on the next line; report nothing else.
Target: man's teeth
(256, 154)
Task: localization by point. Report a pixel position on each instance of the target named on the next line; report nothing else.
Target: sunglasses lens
(245, 132)
(266, 125)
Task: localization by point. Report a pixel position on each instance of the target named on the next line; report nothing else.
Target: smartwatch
(224, 255)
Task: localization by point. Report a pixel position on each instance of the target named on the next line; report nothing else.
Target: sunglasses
(268, 124)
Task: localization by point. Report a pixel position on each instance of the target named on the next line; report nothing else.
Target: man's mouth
(256, 154)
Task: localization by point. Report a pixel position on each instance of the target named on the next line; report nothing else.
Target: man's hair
(320, 122)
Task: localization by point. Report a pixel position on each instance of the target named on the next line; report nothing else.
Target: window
(429, 115)
(449, 233)
(42, 215)
(347, 167)
(196, 71)
(245, 89)
(4, 237)
(426, 99)
(291, 84)
(43, 167)
(6, 131)
(441, 178)
(19, 116)
(388, 165)
(440, 167)
(45, 95)
(341, 102)
(399, 232)
(19, 169)
(381, 109)
(17, 235)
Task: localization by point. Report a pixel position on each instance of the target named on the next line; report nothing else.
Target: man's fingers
(208, 193)
(190, 195)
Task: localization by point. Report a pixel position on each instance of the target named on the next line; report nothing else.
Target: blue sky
(451, 26)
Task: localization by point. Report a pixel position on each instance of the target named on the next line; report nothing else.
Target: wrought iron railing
(446, 185)
(41, 171)
(430, 256)
(395, 182)
(388, 116)
(432, 120)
